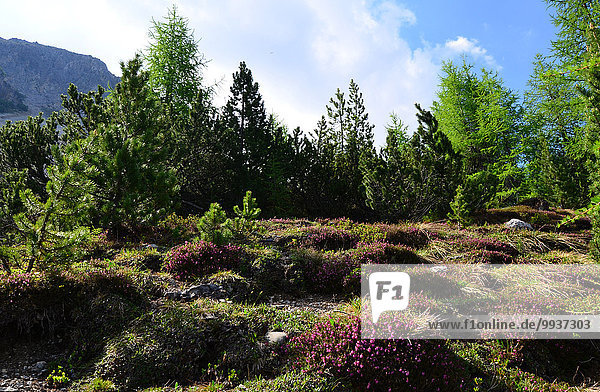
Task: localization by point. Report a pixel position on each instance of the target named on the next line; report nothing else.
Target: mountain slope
(33, 76)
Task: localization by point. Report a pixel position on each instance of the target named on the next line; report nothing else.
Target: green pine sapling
(244, 222)
(213, 226)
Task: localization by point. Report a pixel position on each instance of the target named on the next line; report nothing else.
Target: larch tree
(174, 62)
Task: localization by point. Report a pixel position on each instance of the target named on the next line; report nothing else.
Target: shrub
(178, 343)
(196, 259)
(336, 348)
(409, 236)
(383, 253)
(294, 381)
(478, 190)
(212, 226)
(340, 271)
(461, 210)
(246, 215)
(486, 250)
(330, 238)
(489, 256)
(43, 302)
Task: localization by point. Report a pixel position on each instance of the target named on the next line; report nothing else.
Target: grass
(127, 336)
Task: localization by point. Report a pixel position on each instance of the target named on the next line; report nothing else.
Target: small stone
(173, 295)
(518, 225)
(41, 365)
(276, 337)
(8, 389)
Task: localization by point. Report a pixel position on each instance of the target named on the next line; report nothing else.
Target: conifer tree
(27, 145)
(484, 122)
(175, 63)
(577, 48)
(245, 116)
(53, 228)
(437, 168)
(347, 138)
(555, 144)
(387, 181)
(129, 157)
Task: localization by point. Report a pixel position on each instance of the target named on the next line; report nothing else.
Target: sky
(301, 51)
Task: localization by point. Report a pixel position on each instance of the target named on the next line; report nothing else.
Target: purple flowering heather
(380, 365)
(194, 259)
(330, 238)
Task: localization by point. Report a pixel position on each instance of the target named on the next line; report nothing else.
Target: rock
(276, 337)
(518, 224)
(173, 295)
(8, 389)
(41, 366)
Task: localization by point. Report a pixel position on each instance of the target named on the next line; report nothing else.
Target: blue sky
(300, 51)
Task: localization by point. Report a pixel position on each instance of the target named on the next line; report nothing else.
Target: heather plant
(383, 253)
(336, 348)
(213, 227)
(485, 250)
(364, 231)
(330, 238)
(489, 257)
(339, 271)
(196, 259)
(409, 236)
(62, 295)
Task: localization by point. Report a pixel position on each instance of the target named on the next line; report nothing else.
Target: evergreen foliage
(213, 227)
(174, 63)
(556, 156)
(484, 121)
(133, 183)
(157, 142)
(53, 228)
(27, 145)
(246, 215)
(577, 49)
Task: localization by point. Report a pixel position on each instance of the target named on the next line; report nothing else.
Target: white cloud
(300, 51)
(462, 45)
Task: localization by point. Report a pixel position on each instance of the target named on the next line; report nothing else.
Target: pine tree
(213, 227)
(27, 145)
(386, 181)
(245, 116)
(82, 113)
(345, 143)
(436, 168)
(205, 167)
(134, 184)
(53, 228)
